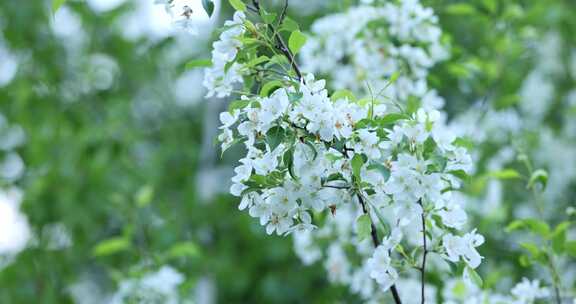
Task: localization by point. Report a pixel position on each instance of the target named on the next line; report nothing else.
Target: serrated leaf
(198, 63)
(296, 41)
(208, 6)
(111, 246)
(363, 226)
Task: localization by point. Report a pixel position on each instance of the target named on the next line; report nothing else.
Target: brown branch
(425, 247)
(376, 243)
(281, 45)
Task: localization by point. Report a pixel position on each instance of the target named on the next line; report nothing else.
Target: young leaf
(274, 137)
(357, 162)
(270, 87)
(571, 248)
(505, 174)
(363, 226)
(539, 176)
(208, 6)
(238, 5)
(184, 249)
(343, 94)
(111, 246)
(296, 41)
(289, 25)
(198, 63)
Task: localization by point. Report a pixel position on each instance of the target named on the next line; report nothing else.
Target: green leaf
(570, 247)
(391, 118)
(56, 4)
(289, 25)
(357, 162)
(288, 159)
(296, 41)
(536, 226)
(460, 9)
(275, 136)
(256, 61)
(461, 174)
(184, 249)
(144, 196)
(491, 5)
(198, 63)
(268, 18)
(532, 248)
(363, 226)
(208, 6)
(237, 105)
(343, 94)
(111, 246)
(539, 176)
(464, 142)
(505, 174)
(238, 5)
(380, 168)
(270, 87)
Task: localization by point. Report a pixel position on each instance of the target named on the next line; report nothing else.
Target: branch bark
(425, 247)
(281, 45)
(376, 242)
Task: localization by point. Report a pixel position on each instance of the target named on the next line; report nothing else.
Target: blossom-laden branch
(309, 152)
(376, 243)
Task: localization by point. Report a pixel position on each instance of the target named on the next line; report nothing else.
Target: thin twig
(376, 243)
(425, 247)
(281, 44)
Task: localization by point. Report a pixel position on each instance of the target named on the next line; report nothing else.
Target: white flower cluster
(462, 292)
(224, 73)
(368, 44)
(15, 233)
(307, 154)
(154, 287)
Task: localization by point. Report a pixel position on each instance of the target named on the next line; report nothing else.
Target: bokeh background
(108, 150)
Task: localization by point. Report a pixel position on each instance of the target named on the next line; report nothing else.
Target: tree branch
(376, 242)
(425, 247)
(281, 45)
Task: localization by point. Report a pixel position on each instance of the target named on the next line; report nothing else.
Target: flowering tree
(311, 155)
